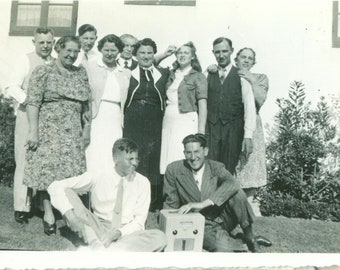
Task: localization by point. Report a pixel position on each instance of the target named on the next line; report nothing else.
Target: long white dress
(106, 128)
(176, 125)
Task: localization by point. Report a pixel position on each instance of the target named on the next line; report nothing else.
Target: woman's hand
(32, 140)
(87, 135)
(247, 75)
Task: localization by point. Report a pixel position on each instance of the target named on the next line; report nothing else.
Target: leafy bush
(7, 124)
(299, 185)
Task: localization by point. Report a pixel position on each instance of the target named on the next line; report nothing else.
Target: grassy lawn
(288, 235)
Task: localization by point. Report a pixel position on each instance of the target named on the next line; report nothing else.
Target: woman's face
(245, 59)
(184, 56)
(110, 53)
(69, 54)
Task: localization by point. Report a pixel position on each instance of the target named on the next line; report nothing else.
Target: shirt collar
(199, 173)
(102, 64)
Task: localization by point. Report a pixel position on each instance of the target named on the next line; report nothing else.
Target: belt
(145, 102)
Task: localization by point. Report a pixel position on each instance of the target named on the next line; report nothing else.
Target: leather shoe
(21, 217)
(252, 245)
(263, 241)
(50, 229)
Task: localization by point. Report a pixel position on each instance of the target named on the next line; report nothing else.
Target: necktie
(117, 211)
(86, 56)
(222, 75)
(197, 180)
(126, 64)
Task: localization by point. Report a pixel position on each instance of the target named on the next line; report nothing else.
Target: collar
(185, 71)
(151, 68)
(127, 178)
(121, 61)
(199, 173)
(227, 68)
(100, 63)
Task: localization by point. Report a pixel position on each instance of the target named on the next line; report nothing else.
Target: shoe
(263, 241)
(50, 229)
(252, 245)
(21, 217)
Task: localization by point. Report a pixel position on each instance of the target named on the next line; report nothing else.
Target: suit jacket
(180, 188)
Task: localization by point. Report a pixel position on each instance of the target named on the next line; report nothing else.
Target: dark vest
(225, 100)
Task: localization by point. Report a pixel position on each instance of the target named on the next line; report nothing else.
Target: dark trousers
(225, 142)
(143, 125)
(236, 211)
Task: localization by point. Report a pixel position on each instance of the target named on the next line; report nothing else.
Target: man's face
(129, 44)
(126, 163)
(195, 155)
(87, 40)
(43, 44)
(145, 56)
(222, 52)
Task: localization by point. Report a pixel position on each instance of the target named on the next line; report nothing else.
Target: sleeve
(260, 89)
(141, 210)
(201, 87)
(36, 86)
(13, 87)
(227, 186)
(170, 192)
(80, 184)
(249, 109)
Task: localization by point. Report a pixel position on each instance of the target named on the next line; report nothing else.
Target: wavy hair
(195, 63)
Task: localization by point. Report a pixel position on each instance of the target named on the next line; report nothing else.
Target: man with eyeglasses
(43, 42)
(201, 185)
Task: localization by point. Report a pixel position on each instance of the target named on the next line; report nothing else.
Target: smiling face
(184, 56)
(43, 44)
(68, 55)
(110, 53)
(87, 40)
(129, 44)
(126, 163)
(222, 52)
(195, 155)
(145, 55)
(245, 59)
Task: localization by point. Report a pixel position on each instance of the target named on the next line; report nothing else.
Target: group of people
(116, 124)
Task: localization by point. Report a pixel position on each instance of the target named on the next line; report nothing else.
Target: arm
(87, 111)
(160, 57)
(201, 96)
(33, 133)
(170, 192)
(260, 89)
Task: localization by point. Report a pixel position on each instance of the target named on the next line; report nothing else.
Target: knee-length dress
(60, 95)
(253, 173)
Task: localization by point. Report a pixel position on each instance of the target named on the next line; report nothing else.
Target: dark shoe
(252, 245)
(21, 217)
(263, 241)
(49, 229)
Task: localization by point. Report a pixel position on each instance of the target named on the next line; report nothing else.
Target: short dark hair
(112, 39)
(86, 28)
(60, 44)
(198, 137)
(145, 42)
(195, 63)
(124, 144)
(221, 39)
(43, 30)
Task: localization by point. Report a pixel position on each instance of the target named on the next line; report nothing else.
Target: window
(161, 2)
(26, 16)
(336, 25)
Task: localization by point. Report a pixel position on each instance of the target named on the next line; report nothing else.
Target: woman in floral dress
(58, 114)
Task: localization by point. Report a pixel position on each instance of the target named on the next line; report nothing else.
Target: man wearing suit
(231, 118)
(143, 114)
(199, 184)
(125, 59)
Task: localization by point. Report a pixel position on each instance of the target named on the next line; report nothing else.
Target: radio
(184, 232)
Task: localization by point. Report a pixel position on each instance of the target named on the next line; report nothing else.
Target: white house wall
(292, 39)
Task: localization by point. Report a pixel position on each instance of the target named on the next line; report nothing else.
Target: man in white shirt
(231, 118)
(200, 184)
(120, 202)
(43, 42)
(87, 36)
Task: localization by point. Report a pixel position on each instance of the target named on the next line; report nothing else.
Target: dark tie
(126, 64)
(117, 211)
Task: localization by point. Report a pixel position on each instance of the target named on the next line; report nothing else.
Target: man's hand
(247, 147)
(111, 236)
(75, 224)
(195, 206)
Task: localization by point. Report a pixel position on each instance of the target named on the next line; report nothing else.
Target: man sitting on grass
(120, 203)
(199, 184)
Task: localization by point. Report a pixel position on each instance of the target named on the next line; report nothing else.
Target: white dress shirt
(198, 176)
(83, 59)
(103, 188)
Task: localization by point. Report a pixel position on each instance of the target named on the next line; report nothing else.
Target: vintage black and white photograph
(174, 133)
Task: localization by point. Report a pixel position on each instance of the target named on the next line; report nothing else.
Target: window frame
(161, 2)
(15, 30)
(335, 25)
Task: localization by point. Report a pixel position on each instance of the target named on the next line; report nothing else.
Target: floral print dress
(60, 96)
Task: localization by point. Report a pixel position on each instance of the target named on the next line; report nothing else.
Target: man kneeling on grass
(199, 184)
(120, 202)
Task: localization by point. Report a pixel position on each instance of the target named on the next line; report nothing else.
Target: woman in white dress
(109, 83)
(186, 105)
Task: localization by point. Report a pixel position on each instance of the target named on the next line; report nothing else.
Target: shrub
(298, 183)
(7, 124)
